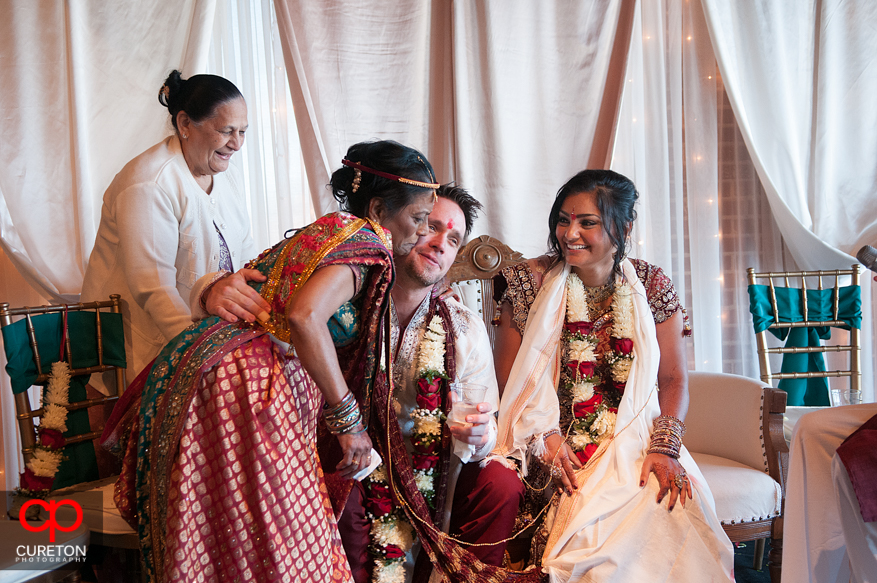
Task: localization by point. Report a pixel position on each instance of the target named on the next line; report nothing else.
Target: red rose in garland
(425, 386)
(52, 438)
(583, 328)
(424, 462)
(391, 536)
(393, 552)
(585, 408)
(31, 481)
(587, 453)
(424, 447)
(41, 468)
(584, 368)
(429, 401)
(596, 370)
(379, 506)
(622, 345)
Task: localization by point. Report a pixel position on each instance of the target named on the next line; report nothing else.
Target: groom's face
(434, 253)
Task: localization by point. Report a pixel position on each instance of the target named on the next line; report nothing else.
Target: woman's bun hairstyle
(198, 96)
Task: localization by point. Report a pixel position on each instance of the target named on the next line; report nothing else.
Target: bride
(591, 358)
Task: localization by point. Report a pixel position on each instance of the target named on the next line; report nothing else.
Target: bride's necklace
(594, 296)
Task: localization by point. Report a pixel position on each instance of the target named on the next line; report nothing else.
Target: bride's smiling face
(583, 240)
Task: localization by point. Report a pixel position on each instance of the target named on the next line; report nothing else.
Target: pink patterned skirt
(247, 500)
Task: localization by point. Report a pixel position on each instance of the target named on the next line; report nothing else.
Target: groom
(472, 504)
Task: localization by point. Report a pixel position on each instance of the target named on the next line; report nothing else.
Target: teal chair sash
(80, 464)
(820, 307)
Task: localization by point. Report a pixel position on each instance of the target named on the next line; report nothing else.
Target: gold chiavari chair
(92, 337)
(802, 316)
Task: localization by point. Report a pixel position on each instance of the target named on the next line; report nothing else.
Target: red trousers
(485, 505)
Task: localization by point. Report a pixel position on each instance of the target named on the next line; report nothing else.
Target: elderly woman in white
(174, 223)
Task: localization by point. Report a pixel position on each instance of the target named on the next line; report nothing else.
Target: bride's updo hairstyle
(354, 189)
(198, 96)
(615, 197)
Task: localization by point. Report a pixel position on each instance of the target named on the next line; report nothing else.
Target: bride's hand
(667, 470)
(562, 462)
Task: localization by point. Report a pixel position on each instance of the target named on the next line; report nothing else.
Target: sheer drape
(749, 238)
(801, 78)
(79, 100)
(667, 144)
(536, 91)
(361, 71)
(79, 85)
(246, 49)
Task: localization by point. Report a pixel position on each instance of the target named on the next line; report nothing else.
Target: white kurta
(474, 365)
(157, 245)
(611, 529)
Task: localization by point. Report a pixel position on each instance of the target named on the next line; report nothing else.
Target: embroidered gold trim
(277, 326)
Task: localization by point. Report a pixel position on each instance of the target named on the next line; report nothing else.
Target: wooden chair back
(472, 274)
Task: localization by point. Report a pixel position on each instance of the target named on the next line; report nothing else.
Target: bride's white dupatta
(529, 406)
(601, 533)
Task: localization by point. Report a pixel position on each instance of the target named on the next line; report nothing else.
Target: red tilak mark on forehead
(572, 216)
(450, 225)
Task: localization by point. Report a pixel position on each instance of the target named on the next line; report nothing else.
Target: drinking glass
(467, 397)
(841, 397)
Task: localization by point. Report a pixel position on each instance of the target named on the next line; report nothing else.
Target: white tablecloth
(818, 511)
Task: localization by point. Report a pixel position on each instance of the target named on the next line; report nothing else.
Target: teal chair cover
(820, 307)
(80, 464)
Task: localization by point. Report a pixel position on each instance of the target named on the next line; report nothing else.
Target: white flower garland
(428, 422)
(45, 460)
(393, 528)
(596, 420)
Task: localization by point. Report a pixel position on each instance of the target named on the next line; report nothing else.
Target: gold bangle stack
(667, 437)
(345, 417)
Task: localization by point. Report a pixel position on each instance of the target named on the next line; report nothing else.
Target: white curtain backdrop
(360, 71)
(79, 99)
(246, 49)
(749, 238)
(536, 92)
(801, 78)
(509, 98)
(667, 142)
(79, 82)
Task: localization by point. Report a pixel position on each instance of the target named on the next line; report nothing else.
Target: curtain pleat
(507, 97)
(801, 79)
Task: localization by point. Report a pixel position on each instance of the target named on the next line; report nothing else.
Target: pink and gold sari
(221, 473)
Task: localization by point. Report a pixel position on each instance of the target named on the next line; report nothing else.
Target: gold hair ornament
(389, 176)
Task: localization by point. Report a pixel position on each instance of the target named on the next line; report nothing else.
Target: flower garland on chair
(594, 402)
(391, 535)
(40, 471)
